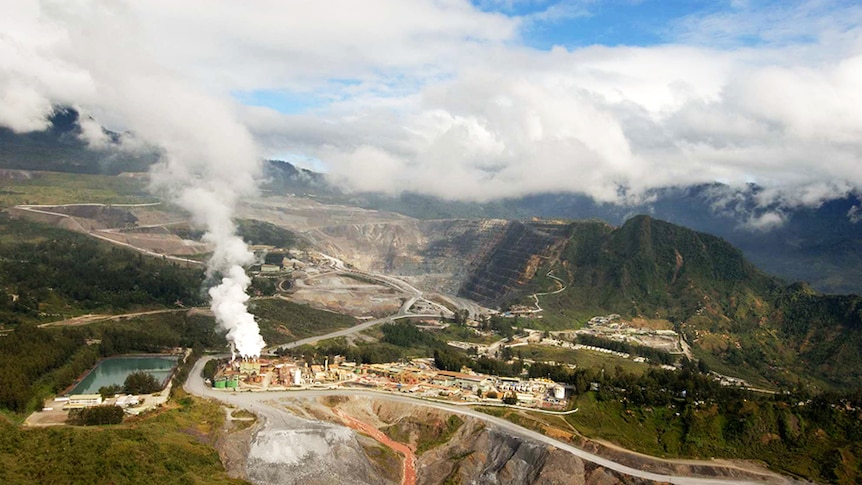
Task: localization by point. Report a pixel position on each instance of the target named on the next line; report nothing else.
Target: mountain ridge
(733, 314)
(820, 245)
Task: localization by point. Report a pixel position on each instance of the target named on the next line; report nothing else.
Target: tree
(501, 326)
(274, 258)
(510, 399)
(109, 391)
(96, 415)
(450, 360)
(264, 286)
(140, 382)
(403, 334)
(461, 316)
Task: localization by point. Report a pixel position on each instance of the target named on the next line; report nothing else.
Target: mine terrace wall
(513, 261)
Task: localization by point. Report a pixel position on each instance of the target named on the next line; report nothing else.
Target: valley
(436, 242)
(729, 313)
(568, 314)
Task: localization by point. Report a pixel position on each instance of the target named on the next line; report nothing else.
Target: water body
(115, 370)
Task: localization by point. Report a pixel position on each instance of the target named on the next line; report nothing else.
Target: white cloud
(441, 97)
(785, 22)
(592, 120)
(92, 133)
(23, 108)
(765, 221)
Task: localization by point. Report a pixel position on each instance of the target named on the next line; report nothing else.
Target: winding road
(403, 312)
(536, 296)
(265, 405)
(348, 331)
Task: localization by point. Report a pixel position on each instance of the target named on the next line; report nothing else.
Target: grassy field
(171, 445)
(581, 358)
(68, 188)
(657, 432)
(824, 452)
(463, 334)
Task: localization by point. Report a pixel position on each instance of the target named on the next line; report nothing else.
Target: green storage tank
(232, 384)
(220, 384)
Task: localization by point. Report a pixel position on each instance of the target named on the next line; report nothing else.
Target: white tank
(297, 377)
(559, 392)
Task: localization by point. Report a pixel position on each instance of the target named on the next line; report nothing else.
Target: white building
(78, 401)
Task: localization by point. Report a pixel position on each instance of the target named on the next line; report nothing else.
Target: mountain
(60, 148)
(736, 318)
(284, 178)
(821, 246)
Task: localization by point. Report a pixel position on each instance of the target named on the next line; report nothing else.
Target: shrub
(140, 382)
(96, 415)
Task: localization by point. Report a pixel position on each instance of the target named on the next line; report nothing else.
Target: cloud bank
(445, 98)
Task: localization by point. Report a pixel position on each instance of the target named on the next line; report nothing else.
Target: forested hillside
(47, 274)
(737, 318)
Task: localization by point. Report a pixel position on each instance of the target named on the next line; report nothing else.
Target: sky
(464, 100)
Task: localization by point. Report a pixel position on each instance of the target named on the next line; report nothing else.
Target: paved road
(536, 296)
(263, 404)
(403, 312)
(92, 204)
(351, 330)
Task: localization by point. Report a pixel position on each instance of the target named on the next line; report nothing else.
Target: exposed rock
(309, 452)
(481, 455)
(512, 262)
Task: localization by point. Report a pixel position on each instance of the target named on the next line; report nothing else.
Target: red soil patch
(408, 476)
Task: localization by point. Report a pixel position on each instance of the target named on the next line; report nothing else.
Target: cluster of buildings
(293, 260)
(613, 328)
(418, 377)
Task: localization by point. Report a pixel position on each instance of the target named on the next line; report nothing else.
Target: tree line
(654, 355)
(36, 362)
(87, 274)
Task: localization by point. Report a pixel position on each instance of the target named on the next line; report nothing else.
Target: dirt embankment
(451, 449)
(285, 449)
(408, 473)
(307, 442)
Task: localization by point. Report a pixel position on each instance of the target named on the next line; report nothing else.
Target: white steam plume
(212, 205)
(97, 57)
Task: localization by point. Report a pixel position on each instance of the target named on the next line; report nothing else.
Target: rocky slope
(313, 446)
(513, 260)
(297, 451)
(473, 454)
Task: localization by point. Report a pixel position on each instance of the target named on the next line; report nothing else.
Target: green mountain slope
(738, 319)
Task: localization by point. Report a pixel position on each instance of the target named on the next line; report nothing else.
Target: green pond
(114, 371)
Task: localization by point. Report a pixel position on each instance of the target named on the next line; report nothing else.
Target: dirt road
(42, 209)
(91, 318)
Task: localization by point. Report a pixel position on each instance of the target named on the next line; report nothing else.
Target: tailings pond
(114, 371)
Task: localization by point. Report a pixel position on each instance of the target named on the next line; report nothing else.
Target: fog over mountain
(467, 101)
(754, 107)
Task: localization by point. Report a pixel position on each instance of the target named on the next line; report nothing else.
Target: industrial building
(79, 401)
